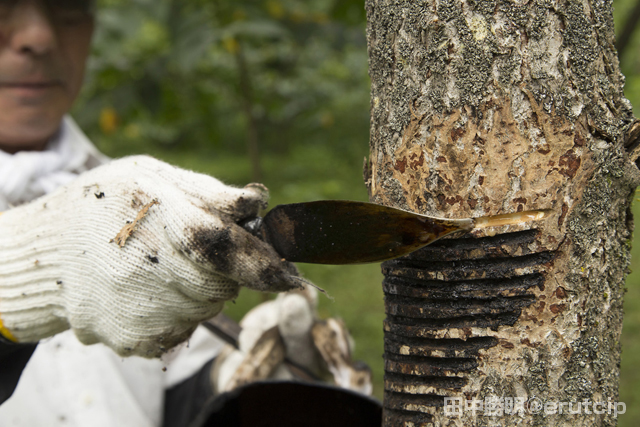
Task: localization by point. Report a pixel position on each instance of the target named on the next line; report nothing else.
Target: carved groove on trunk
(459, 283)
(401, 418)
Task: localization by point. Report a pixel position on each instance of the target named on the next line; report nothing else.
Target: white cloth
(66, 383)
(27, 175)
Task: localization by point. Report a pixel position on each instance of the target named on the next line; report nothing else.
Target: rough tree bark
(488, 107)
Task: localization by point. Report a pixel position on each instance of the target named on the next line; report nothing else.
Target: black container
(291, 404)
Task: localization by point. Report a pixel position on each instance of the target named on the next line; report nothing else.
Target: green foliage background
(193, 82)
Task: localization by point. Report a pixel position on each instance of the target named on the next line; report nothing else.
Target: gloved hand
(178, 256)
(283, 339)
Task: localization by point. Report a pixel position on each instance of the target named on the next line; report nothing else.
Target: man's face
(44, 45)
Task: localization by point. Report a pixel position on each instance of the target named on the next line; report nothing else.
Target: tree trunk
(489, 107)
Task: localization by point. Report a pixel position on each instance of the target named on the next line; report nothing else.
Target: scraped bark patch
(128, 229)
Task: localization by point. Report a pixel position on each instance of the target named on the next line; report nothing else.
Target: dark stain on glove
(233, 252)
(215, 245)
(275, 279)
(245, 208)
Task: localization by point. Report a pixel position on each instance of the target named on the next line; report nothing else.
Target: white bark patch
(544, 54)
(478, 26)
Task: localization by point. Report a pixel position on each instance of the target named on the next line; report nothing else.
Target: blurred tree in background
(238, 76)
(276, 91)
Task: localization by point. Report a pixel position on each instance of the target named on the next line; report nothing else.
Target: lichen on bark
(487, 107)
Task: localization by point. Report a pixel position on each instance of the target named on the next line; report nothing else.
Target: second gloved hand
(133, 254)
(283, 339)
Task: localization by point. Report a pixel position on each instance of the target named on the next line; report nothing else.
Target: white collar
(27, 175)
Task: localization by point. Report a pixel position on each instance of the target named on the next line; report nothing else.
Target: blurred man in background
(130, 255)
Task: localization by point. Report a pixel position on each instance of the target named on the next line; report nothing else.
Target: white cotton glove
(60, 267)
(292, 314)
(286, 332)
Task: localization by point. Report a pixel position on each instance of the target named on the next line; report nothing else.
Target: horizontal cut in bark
(472, 282)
